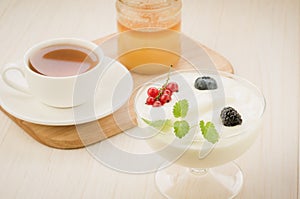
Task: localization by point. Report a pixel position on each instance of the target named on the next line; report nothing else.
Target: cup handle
(12, 84)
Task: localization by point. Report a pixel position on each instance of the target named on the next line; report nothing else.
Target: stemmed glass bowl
(195, 167)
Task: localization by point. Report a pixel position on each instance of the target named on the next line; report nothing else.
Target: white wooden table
(260, 38)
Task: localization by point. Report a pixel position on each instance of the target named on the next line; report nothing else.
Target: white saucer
(113, 91)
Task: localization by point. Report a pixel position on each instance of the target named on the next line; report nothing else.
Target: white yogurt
(205, 105)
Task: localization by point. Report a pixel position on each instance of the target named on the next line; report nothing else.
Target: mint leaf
(181, 128)
(181, 108)
(209, 132)
(161, 125)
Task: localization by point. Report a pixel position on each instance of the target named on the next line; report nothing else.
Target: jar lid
(149, 15)
(150, 4)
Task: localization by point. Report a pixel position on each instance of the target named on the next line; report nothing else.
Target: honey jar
(149, 39)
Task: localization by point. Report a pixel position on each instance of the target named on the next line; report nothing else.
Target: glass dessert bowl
(212, 120)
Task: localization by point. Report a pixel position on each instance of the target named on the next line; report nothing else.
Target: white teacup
(62, 92)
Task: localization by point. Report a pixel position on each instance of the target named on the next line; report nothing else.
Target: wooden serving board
(67, 137)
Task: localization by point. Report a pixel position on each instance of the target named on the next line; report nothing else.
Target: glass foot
(181, 182)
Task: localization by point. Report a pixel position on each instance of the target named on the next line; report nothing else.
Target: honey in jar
(149, 41)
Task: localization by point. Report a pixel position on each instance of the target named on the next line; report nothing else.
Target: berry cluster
(158, 97)
(230, 117)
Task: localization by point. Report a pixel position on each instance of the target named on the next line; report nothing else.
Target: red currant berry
(150, 100)
(157, 104)
(152, 92)
(172, 86)
(168, 92)
(165, 99)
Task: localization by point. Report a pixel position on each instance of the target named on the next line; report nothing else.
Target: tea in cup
(60, 72)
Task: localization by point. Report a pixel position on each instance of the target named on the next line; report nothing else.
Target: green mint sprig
(209, 131)
(161, 125)
(181, 127)
(180, 109)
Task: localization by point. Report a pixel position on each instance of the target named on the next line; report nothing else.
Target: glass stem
(198, 171)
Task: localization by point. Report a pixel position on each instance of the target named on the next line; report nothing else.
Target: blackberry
(205, 83)
(230, 117)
